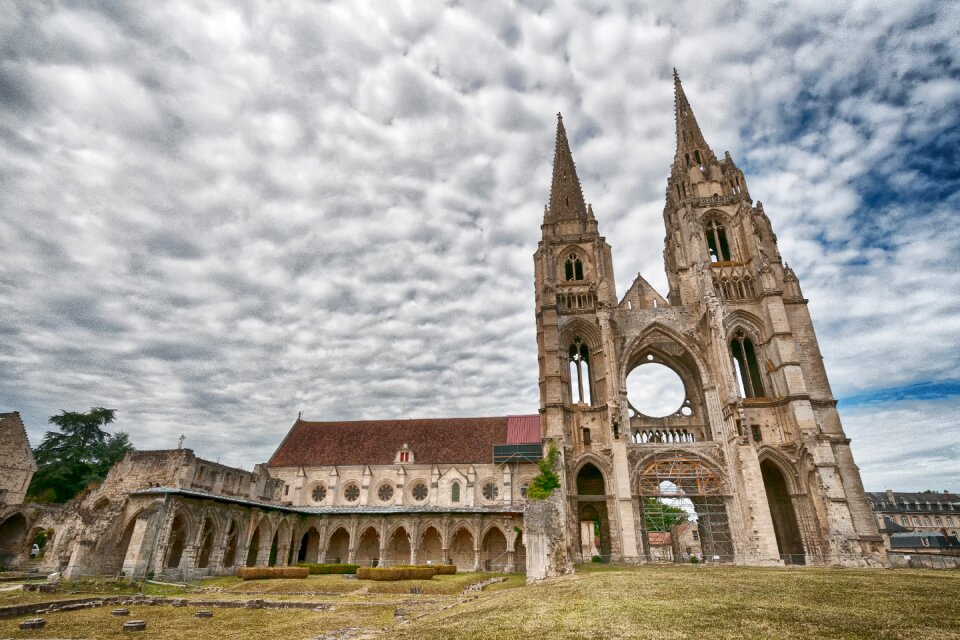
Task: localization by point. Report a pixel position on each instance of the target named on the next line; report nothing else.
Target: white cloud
(217, 215)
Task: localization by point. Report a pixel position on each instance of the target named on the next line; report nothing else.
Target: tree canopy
(79, 453)
(662, 517)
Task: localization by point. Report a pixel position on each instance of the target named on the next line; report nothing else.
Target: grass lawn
(323, 584)
(176, 623)
(710, 602)
(598, 602)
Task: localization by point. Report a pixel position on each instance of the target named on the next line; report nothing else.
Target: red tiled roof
(440, 440)
(523, 429)
(659, 538)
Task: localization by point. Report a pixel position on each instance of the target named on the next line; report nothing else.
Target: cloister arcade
(197, 538)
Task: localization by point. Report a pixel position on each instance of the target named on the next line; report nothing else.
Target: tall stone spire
(691, 146)
(566, 197)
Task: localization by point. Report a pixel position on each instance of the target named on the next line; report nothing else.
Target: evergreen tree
(79, 453)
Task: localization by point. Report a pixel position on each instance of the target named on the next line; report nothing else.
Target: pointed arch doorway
(592, 517)
(789, 541)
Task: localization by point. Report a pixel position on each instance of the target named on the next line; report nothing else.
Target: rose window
(351, 493)
(385, 492)
(420, 492)
(319, 493)
(491, 491)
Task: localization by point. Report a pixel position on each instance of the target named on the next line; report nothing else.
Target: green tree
(79, 453)
(662, 517)
(546, 481)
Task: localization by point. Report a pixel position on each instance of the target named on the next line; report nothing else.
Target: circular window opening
(420, 492)
(655, 390)
(319, 493)
(385, 492)
(491, 491)
(351, 493)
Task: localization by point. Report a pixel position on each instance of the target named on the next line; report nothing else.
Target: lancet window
(717, 243)
(580, 389)
(573, 267)
(745, 363)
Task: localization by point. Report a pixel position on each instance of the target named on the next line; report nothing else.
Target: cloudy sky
(214, 215)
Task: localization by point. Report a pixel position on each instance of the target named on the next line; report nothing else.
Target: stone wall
(545, 537)
(17, 465)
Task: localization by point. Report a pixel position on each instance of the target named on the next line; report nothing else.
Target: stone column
(446, 555)
(509, 567)
(476, 559)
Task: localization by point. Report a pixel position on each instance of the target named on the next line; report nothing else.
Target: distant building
(676, 545)
(919, 513)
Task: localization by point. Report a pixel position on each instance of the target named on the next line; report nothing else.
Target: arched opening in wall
(274, 550)
(594, 524)
(368, 548)
(206, 547)
(461, 550)
(685, 478)
(309, 546)
(594, 532)
(230, 548)
(590, 482)
(114, 550)
(519, 555)
(746, 366)
(176, 541)
(581, 390)
(292, 548)
(493, 550)
(254, 550)
(789, 541)
(655, 390)
(398, 547)
(455, 491)
(338, 549)
(717, 245)
(671, 523)
(431, 547)
(13, 530)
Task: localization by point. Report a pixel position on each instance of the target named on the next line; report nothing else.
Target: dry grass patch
(326, 584)
(180, 622)
(716, 602)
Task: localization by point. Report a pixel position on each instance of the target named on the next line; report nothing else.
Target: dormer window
(405, 455)
(573, 268)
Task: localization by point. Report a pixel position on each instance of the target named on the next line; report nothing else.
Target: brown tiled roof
(440, 440)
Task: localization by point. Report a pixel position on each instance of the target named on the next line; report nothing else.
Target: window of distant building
(455, 492)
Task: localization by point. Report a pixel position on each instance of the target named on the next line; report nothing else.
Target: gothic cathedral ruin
(756, 448)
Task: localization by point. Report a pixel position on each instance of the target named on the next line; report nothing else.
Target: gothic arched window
(580, 387)
(573, 268)
(745, 363)
(455, 492)
(717, 243)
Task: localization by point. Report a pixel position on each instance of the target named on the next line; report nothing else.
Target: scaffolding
(671, 482)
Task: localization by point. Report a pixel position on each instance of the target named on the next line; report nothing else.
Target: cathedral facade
(756, 449)
(754, 453)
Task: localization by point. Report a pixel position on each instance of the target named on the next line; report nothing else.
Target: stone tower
(756, 448)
